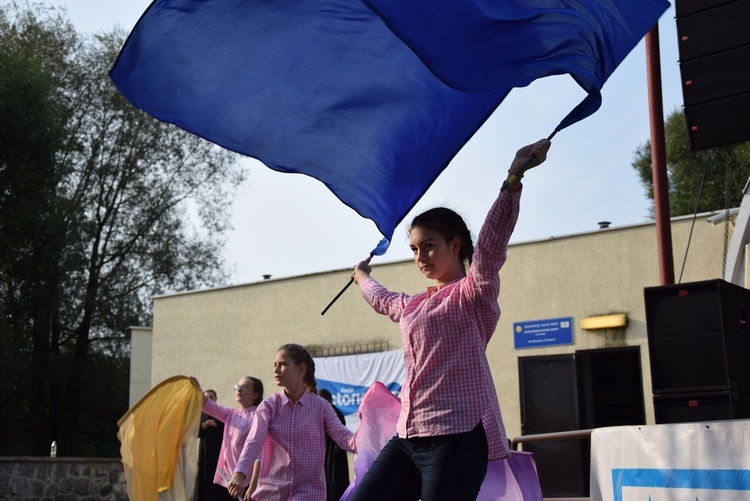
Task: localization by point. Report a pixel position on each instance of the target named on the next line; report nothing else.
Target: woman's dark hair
(450, 225)
(257, 385)
(300, 355)
(325, 395)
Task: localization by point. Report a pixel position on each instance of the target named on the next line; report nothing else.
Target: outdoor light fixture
(604, 322)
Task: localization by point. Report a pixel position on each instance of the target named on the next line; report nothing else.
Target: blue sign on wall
(540, 333)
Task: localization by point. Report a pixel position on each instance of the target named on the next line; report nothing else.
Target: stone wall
(61, 479)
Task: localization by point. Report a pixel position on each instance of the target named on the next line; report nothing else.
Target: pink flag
(513, 479)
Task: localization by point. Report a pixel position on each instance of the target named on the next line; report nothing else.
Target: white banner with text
(672, 462)
(349, 377)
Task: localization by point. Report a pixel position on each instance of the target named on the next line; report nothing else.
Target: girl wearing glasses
(249, 393)
(290, 428)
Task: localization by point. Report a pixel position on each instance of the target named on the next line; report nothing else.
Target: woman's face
(436, 259)
(244, 393)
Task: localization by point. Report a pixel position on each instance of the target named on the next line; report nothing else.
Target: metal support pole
(659, 159)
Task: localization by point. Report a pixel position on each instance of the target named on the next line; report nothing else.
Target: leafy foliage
(101, 207)
(728, 171)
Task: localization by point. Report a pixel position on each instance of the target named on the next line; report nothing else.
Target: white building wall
(220, 335)
(140, 363)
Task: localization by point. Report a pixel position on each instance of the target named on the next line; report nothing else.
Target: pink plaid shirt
(292, 436)
(236, 426)
(448, 386)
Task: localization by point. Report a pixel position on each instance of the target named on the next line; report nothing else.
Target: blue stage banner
(541, 333)
(349, 377)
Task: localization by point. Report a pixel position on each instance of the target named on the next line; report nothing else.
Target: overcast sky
(286, 224)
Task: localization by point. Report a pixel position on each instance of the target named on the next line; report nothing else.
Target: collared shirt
(236, 427)
(448, 386)
(292, 438)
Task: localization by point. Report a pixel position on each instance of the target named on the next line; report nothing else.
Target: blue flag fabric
(325, 88)
(482, 45)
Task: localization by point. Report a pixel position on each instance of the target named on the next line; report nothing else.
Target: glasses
(241, 388)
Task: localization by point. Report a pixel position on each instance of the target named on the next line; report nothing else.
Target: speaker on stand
(699, 351)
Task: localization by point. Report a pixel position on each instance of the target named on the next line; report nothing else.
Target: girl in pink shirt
(450, 423)
(248, 393)
(288, 431)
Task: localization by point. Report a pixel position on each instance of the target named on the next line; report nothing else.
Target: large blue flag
(326, 88)
(483, 45)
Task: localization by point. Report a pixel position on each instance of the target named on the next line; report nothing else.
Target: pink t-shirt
(448, 386)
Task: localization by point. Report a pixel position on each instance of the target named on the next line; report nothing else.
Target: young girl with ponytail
(288, 434)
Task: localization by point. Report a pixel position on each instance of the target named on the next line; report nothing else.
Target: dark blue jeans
(447, 467)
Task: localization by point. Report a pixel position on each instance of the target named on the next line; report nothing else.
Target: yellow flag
(158, 441)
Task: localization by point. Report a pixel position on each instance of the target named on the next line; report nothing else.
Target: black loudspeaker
(714, 45)
(708, 406)
(698, 337)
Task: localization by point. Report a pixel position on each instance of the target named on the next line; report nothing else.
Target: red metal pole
(659, 158)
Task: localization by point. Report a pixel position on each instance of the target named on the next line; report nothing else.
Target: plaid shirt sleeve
(337, 431)
(255, 437)
(215, 410)
(483, 282)
(384, 301)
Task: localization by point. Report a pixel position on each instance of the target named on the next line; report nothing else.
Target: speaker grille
(714, 45)
(697, 337)
(709, 406)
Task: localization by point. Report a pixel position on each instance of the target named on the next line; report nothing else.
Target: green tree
(101, 207)
(728, 171)
(32, 131)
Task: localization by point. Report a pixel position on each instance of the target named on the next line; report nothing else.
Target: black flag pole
(351, 281)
